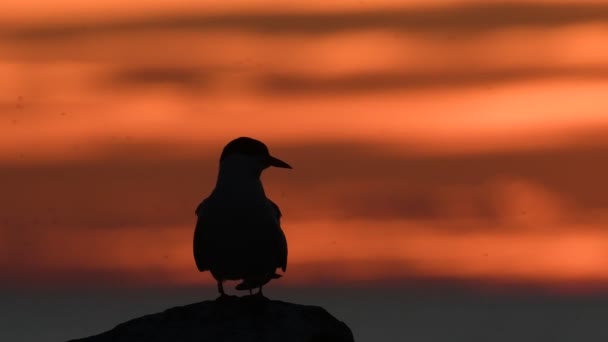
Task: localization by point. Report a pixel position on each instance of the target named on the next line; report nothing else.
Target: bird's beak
(276, 162)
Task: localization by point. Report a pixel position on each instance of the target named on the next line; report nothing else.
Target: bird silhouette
(238, 233)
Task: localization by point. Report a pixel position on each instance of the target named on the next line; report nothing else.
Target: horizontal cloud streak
(310, 84)
(329, 181)
(191, 78)
(294, 84)
(340, 252)
(465, 18)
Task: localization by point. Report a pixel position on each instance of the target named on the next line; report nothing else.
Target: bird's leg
(260, 292)
(250, 292)
(220, 288)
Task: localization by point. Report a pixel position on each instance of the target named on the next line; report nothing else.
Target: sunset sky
(454, 140)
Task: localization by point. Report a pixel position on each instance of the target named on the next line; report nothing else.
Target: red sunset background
(432, 141)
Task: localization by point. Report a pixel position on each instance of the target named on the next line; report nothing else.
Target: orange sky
(31, 10)
(431, 142)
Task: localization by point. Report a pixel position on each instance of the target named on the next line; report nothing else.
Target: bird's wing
(282, 242)
(201, 207)
(199, 246)
(277, 211)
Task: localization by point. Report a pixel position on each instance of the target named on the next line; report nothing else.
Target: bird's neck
(239, 180)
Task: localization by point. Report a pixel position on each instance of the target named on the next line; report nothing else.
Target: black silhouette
(238, 233)
(234, 319)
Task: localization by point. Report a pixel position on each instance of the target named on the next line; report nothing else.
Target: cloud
(191, 78)
(460, 18)
(289, 84)
(347, 181)
(298, 84)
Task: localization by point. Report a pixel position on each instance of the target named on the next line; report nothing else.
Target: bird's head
(249, 155)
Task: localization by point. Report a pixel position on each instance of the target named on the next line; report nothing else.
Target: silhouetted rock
(234, 319)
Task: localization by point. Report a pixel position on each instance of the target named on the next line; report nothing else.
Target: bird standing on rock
(238, 235)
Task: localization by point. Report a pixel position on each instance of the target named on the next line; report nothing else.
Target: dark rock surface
(235, 319)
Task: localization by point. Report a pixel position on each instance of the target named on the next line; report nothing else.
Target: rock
(234, 319)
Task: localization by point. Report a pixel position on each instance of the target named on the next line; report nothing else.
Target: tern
(238, 233)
